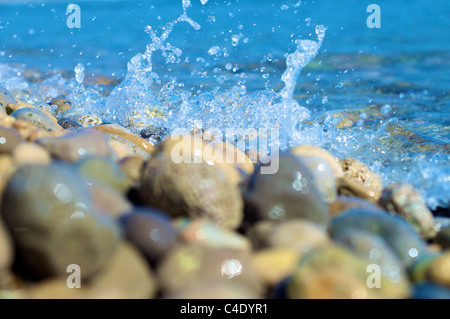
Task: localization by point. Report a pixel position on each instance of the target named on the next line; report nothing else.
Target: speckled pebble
(37, 117)
(404, 200)
(360, 173)
(193, 190)
(6, 98)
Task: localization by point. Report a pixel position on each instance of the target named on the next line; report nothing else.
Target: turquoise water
(393, 83)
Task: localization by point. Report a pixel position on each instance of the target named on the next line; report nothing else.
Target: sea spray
(131, 103)
(295, 62)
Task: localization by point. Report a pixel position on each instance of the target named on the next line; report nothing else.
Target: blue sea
(381, 95)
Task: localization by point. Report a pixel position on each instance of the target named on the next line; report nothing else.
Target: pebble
(62, 105)
(36, 117)
(288, 193)
(7, 169)
(275, 264)
(88, 120)
(68, 123)
(430, 291)
(9, 140)
(121, 150)
(438, 270)
(404, 200)
(204, 232)
(6, 249)
(150, 231)
(343, 203)
(299, 235)
(188, 149)
(349, 187)
(11, 107)
(105, 171)
(135, 144)
(194, 190)
(311, 150)
(126, 275)
(360, 173)
(443, 237)
(74, 146)
(131, 166)
(333, 272)
(31, 153)
(188, 266)
(50, 215)
(155, 132)
(374, 249)
(6, 98)
(398, 233)
(323, 177)
(109, 200)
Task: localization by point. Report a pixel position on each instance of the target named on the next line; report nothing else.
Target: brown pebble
(30, 153)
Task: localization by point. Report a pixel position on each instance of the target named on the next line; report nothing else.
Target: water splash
(295, 62)
(131, 103)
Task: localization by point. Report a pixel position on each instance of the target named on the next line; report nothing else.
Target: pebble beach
(102, 196)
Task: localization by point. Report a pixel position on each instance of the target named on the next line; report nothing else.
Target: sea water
(311, 69)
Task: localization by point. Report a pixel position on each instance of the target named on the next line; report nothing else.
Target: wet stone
(407, 202)
(9, 140)
(360, 173)
(150, 231)
(287, 193)
(398, 233)
(275, 264)
(74, 146)
(443, 237)
(374, 249)
(105, 171)
(6, 98)
(188, 149)
(36, 117)
(204, 232)
(438, 270)
(188, 266)
(311, 150)
(50, 215)
(194, 190)
(31, 153)
(6, 249)
(323, 177)
(131, 166)
(156, 133)
(68, 123)
(299, 235)
(343, 203)
(333, 272)
(62, 105)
